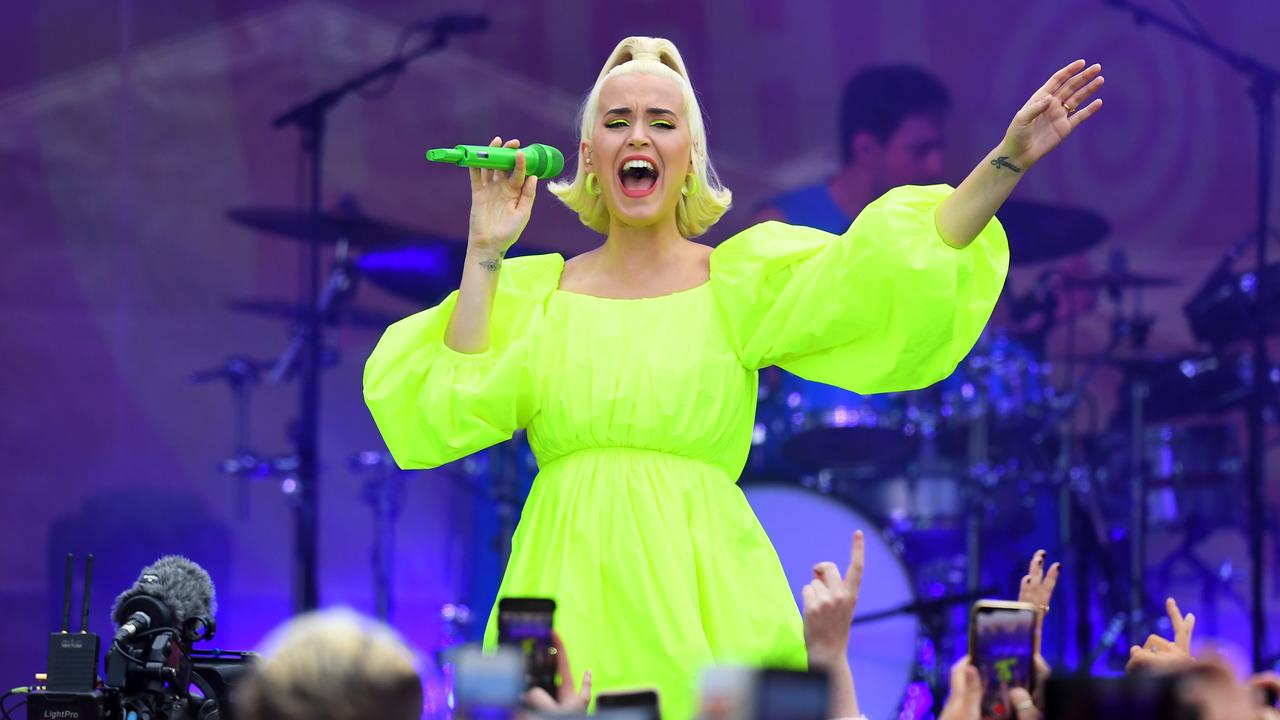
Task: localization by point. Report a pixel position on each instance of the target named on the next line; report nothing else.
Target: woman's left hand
(829, 601)
(1051, 113)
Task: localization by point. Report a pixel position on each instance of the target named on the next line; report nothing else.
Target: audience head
(333, 665)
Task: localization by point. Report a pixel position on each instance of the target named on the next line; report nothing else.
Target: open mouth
(638, 176)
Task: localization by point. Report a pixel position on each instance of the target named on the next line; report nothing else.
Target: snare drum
(807, 527)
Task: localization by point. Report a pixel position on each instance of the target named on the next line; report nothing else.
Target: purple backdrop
(127, 129)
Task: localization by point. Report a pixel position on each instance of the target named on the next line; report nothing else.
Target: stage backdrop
(128, 129)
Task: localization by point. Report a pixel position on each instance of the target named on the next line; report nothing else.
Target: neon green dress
(640, 414)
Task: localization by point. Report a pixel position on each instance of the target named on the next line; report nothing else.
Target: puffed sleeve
(887, 306)
(433, 404)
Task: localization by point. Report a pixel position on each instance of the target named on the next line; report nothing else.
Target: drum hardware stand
(504, 469)
(309, 117)
(1263, 83)
(1134, 328)
(981, 478)
(1211, 582)
(455, 618)
(241, 374)
(933, 616)
(1138, 392)
(1039, 301)
(1110, 636)
(384, 492)
(338, 290)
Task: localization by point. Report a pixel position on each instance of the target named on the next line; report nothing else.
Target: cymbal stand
(384, 492)
(310, 119)
(1263, 84)
(980, 479)
(338, 289)
(1135, 327)
(505, 491)
(241, 374)
(1131, 328)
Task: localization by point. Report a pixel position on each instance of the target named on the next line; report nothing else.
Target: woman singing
(634, 366)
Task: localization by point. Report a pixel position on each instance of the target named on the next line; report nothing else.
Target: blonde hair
(696, 211)
(332, 665)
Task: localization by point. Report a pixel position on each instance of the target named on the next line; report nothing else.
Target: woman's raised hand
(1037, 587)
(1159, 654)
(829, 601)
(1051, 113)
(500, 203)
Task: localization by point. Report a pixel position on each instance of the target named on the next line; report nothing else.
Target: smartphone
(486, 686)
(1002, 645)
(792, 695)
(526, 623)
(642, 704)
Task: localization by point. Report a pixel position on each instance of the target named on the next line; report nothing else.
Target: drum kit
(961, 481)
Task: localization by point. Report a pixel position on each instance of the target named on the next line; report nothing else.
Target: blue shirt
(813, 207)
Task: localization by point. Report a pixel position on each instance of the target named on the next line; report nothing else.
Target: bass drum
(807, 527)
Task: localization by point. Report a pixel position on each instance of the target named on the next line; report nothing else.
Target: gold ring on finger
(1069, 108)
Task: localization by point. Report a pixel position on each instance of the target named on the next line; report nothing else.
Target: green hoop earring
(593, 187)
(690, 185)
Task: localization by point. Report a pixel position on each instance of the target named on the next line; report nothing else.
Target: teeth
(637, 164)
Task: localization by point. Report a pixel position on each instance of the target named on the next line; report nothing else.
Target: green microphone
(543, 161)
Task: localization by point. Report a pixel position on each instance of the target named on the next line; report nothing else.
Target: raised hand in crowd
(569, 700)
(1037, 588)
(1265, 688)
(1160, 655)
(965, 700)
(829, 601)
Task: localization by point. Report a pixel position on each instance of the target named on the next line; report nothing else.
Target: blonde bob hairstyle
(332, 664)
(695, 212)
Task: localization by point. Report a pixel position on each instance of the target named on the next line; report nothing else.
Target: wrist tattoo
(492, 264)
(1003, 161)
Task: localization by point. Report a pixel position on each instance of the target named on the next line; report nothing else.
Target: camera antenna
(66, 598)
(84, 606)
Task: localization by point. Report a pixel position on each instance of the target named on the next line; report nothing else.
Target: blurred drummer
(891, 134)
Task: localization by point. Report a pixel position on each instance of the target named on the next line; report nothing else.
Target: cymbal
(423, 273)
(330, 227)
(1136, 362)
(1178, 385)
(1120, 279)
(289, 310)
(1039, 231)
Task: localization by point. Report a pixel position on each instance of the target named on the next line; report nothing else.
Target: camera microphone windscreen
(168, 592)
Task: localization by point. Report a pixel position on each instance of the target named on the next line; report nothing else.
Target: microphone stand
(1263, 83)
(309, 117)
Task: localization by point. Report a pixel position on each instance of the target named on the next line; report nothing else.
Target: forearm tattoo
(1003, 161)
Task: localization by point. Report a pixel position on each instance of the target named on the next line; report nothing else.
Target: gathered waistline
(614, 449)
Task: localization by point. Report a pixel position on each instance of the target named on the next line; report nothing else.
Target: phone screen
(486, 686)
(792, 695)
(1002, 650)
(643, 702)
(526, 623)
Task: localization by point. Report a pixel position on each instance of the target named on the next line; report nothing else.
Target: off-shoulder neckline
(704, 284)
